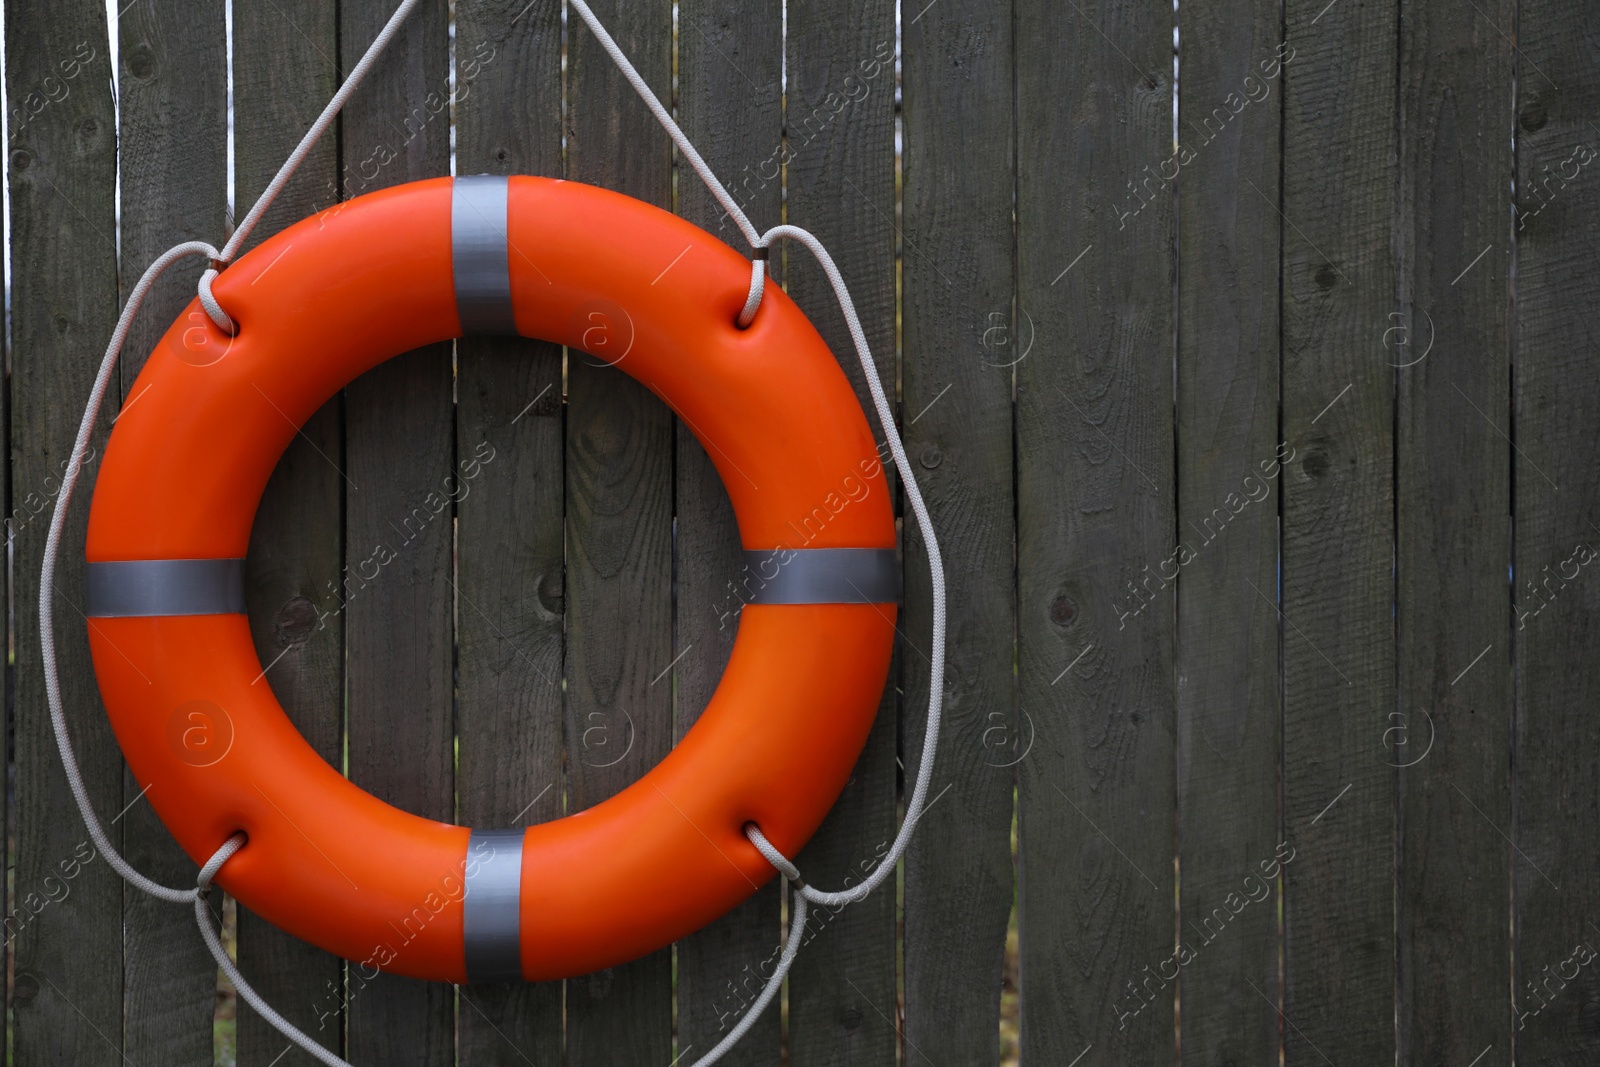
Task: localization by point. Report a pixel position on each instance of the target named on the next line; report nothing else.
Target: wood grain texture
(12, 522)
(1224, 557)
(62, 158)
(1453, 505)
(1228, 450)
(961, 346)
(619, 530)
(173, 83)
(1555, 594)
(283, 74)
(510, 567)
(1095, 508)
(1337, 592)
(840, 186)
(401, 494)
(730, 79)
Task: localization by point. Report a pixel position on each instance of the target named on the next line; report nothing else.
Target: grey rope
(52, 681)
(52, 552)
(208, 933)
(241, 233)
(930, 740)
(791, 949)
(758, 272)
(881, 405)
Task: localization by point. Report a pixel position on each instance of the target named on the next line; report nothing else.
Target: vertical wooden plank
(1452, 491)
(730, 84)
(509, 592)
(839, 157)
(173, 86)
(619, 530)
(14, 520)
(401, 470)
(1555, 594)
(1225, 554)
(284, 71)
(1337, 592)
(1095, 517)
(62, 160)
(960, 350)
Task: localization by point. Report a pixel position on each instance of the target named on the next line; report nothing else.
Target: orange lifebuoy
(337, 294)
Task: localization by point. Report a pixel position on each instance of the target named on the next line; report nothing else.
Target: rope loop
(222, 855)
(242, 232)
(930, 743)
(758, 280)
(209, 301)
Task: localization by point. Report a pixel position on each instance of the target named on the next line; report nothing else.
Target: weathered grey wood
(840, 174)
(1225, 546)
(1337, 571)
(283, 74)
(1555, 595)
(12, 522)
(510, 569)
(1392, 484)
(1095, 508)
(399, 451)
(960, 347)
(62, 149)
(1452, 492)
(619, 531)
(173, 84)
(730, 82)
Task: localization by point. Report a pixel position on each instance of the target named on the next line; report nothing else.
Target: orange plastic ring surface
(183, 474)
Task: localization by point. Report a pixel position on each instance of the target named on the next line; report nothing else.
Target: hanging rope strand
(52, 553)
(241, 233)
(758, 266)
(208, 933)
(930, 740)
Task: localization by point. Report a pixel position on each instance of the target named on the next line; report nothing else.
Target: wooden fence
(1260, 437)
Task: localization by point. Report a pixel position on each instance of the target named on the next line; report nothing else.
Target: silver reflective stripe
(822, 576)
(492, 921)
(166, 587)
(478, 254)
